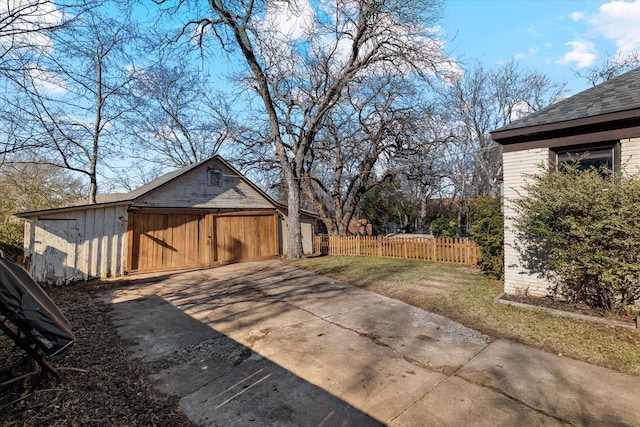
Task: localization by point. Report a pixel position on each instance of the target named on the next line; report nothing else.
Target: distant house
(360, 227)
(202, 215)
(603, 122)
(444, 207)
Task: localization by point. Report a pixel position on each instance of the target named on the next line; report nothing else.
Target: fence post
(468, 251)
(434, 258)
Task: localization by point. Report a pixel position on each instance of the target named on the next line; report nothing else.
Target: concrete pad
(292, 282)
(248, 321)
(330, 303)
(221, 381)
(571, 390)
(265, 344)
(429, 339)
(259, 393)
(155, 328)
(456, 402)
(350, 366)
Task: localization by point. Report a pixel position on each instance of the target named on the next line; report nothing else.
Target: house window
(214, 177)
(598, 157)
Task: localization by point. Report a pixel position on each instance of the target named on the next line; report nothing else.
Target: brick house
(602, 123)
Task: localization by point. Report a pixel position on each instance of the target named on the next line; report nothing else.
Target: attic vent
(214, 177)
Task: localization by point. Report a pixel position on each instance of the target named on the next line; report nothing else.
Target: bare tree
(610, 68)
(480, 101)
(24, 28)
(425, 167)
(72, 100)
(485, 99)
(300, 73)
(177, 115)
(371, 125)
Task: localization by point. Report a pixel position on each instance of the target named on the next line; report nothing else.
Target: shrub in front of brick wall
(580, 230)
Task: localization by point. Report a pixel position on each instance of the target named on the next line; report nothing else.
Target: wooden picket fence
(446, 250)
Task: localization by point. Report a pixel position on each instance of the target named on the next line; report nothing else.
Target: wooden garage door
(160, 241)
(166, 241)
(246, 236)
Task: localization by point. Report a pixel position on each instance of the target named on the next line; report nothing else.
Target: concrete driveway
(266, 344)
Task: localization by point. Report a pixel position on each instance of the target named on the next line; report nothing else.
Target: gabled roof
(161, 181)
(617, 99)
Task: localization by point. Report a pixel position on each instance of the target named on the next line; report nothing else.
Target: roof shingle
(621, 93)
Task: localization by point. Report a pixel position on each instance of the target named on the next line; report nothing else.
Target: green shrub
(580, 230)
(487, 230)
(444, 227)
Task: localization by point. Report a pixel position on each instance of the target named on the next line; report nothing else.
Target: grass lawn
(468, 297)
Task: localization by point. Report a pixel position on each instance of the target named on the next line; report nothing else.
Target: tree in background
(24, 29)
(367, 130)
(176, 116)
(580, 230)
(422, 166)
(610, 68)
(387, 208)
(444, 227)
(301, 71)
(70, 104)
(480, 101)
(25, 186)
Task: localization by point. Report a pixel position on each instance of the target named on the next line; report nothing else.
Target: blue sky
(553, 36)
(557, 37)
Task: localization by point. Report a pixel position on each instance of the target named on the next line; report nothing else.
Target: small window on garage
(602, 158)
(214, 177)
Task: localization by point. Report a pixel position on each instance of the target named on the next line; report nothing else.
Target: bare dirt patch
(101, 383)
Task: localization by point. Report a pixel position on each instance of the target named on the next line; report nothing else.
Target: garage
(161, 240)
(202, 215)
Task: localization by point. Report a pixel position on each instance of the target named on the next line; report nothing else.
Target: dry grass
(468, 297)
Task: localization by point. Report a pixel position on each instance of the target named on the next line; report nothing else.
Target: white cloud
(577, 16)
(50, 83)
(290, 18)
(581, 53)
(532, 51)
(21, 20)
(618, 21)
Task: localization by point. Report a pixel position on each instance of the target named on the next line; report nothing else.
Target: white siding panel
(192, 190)
(516, 167)
(53, 248)
(630, 155)
(107, 242)
(308, 234)
(76, 245)
(94, 222)
(119, 250)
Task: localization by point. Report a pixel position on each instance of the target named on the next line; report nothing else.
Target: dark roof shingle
(621, 93)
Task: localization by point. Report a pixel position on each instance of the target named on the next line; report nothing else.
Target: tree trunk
(294, 229)
(343, 229)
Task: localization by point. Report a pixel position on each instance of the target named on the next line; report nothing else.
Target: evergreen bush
(580, 230)
(487, 230)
